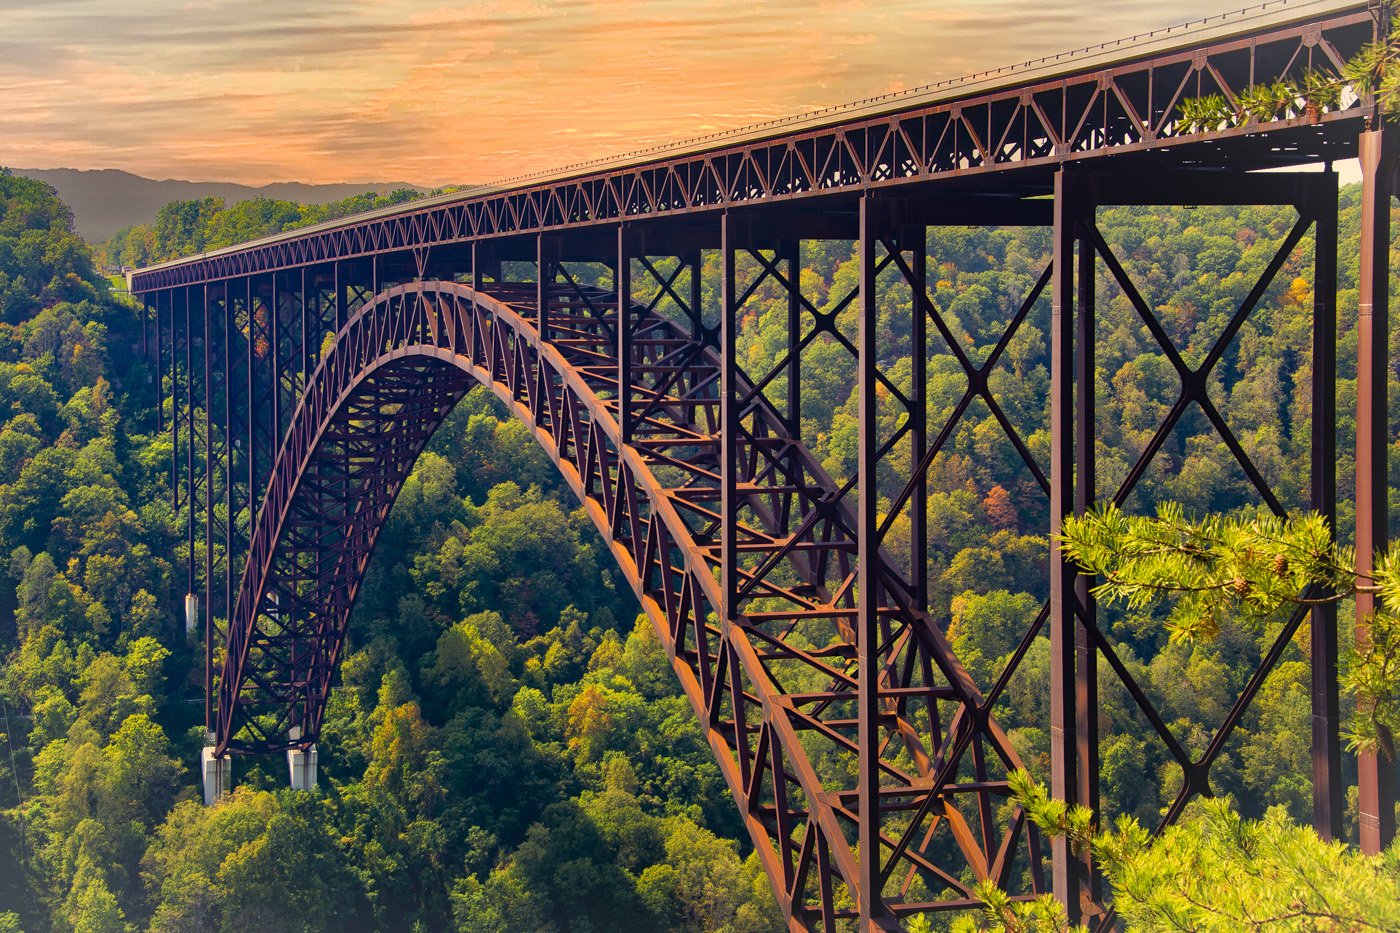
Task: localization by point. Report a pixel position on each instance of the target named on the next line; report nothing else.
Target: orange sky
(438, 93)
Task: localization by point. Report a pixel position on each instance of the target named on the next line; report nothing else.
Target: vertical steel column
(729, 424)
(189, 457)
(275, 331)
(1376, 777)
(1329, 798)
(160, 373)
(268, 403)
(253, 412)
(918, 413)
(175, 398)
(623, 286)
(1086, 680)
(339, 299)
(227, 435)
(541, 289)
(208, 516)
(306, 364)
(476, 275)
(1064, 770)
(324, 307)
(869, 901)
(729, 480)
(696, 259)
(790, 251)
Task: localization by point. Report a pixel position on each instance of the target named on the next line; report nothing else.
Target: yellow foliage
(588, 715)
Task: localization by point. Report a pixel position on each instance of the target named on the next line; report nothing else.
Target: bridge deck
(1004, 132)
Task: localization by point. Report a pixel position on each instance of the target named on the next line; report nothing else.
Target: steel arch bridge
(655, 492)
(302, 375)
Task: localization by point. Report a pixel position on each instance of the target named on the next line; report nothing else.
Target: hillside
(105, 201)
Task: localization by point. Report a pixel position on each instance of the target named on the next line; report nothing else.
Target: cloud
(445, 91)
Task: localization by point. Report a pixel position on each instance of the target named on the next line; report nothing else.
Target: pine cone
(1281, 566)
(1241, 586)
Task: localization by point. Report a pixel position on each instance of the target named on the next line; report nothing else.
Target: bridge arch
(773, 678)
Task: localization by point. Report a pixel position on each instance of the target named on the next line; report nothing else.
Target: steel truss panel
(1076, 639)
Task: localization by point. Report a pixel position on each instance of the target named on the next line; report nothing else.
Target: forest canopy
(183, 228)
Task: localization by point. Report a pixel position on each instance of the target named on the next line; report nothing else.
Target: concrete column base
(218, 776)
(301, 767)
(191, 613)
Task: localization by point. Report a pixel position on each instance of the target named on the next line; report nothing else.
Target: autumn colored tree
(1001, 511)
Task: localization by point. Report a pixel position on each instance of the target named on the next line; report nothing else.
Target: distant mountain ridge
(106, 200)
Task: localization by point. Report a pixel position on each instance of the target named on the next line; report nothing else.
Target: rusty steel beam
(871, 571)
(1379, 149)
(207, 468)
(1064, 746)
(1329, 789)
(1085, 494)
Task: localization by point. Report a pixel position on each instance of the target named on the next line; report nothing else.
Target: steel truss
(1125, 109)
(745, 657)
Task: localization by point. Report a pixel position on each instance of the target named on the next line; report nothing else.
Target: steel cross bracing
(1126, 109)
(1076, 638)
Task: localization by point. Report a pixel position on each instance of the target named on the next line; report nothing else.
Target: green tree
(91, 907)
(255, 861)
(1216, 873)
(1246, 572)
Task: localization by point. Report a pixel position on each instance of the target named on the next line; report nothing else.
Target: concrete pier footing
(301, 767)
(218, 776)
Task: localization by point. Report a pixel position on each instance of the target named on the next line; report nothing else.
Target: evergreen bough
(1219, 873)
(1375, 70)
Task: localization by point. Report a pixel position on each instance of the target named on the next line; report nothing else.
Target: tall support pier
(1378, 154)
